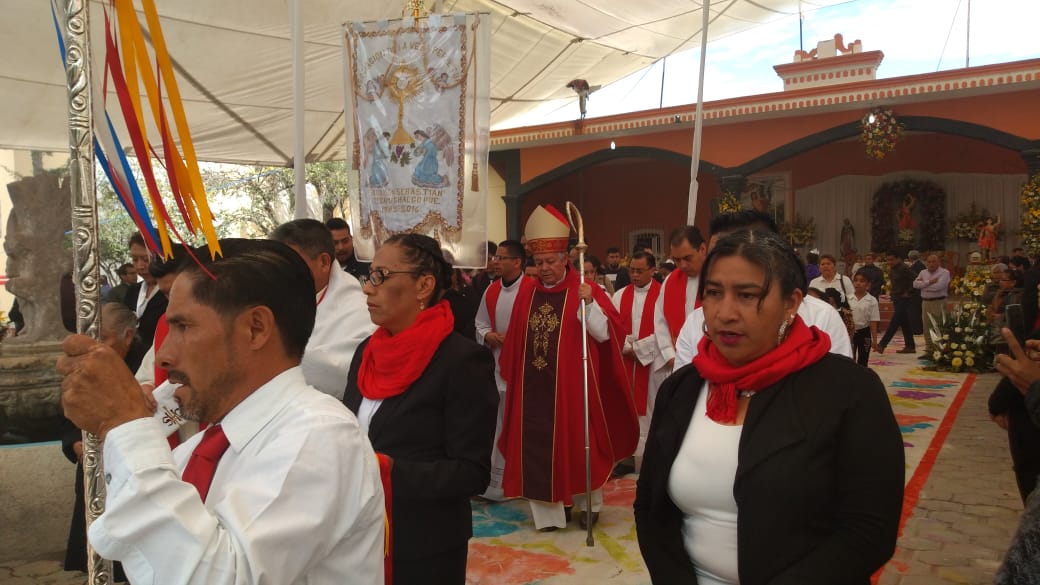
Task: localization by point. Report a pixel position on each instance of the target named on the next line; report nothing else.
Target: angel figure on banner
(430, 141)
(378, 151)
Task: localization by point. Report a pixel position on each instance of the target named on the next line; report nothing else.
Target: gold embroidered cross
(542, 324)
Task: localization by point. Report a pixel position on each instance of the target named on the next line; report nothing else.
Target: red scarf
(804, 346)
(675, 302)
(641, 375)
(391, 363)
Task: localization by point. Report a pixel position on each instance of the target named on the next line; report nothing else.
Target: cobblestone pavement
(959, 529)
(968, 509)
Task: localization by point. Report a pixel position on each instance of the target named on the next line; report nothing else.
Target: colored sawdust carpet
(507, 550)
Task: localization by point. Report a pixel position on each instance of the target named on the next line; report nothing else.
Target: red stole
(494, 291)
(675, 302)
(638, 373)
(543, 427)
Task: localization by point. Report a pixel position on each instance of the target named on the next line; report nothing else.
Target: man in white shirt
(812, 310)
(342, 321)
(647, 368)
(933, 282)
(492, 324)
(679, 291)
(292, 495)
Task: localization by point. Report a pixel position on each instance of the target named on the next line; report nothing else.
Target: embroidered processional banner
(419, 93)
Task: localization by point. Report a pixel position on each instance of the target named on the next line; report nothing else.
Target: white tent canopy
(233, 59)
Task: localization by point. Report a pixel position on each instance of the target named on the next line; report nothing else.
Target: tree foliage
(246, 201)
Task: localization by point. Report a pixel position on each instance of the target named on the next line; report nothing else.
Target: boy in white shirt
(866, 316)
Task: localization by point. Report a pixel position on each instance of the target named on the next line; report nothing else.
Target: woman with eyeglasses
(428, 400)
(769, 459)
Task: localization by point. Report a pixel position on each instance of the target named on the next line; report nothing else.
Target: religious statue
(988, 238)
(848, 239)
(37, 257)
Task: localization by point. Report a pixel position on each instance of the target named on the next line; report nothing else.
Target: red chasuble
(638, 373)
(543, 427)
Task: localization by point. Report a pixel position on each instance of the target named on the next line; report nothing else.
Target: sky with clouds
(917, 36)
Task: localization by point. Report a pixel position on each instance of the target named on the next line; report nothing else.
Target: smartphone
(1016, 322)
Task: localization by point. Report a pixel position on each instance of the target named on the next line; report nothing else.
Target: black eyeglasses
(497, 258)
(378, 277)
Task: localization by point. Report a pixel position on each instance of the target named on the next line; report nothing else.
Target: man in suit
(144, 298)
(127, 278)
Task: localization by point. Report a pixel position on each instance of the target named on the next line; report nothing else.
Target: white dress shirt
(933, 291)
(341, 323)
(864, 310)
(840, 283)
(144, 296)
(296, 498)
(812, 310)
(661, 330)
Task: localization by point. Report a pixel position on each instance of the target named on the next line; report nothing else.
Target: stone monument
(37, 257)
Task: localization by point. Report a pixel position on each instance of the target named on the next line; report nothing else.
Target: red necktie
(203, 462)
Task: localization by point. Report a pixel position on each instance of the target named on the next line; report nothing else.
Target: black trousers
(446, 568)
(861, 345)
(901, 319)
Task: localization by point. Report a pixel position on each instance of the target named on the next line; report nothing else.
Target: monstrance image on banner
(418, 89)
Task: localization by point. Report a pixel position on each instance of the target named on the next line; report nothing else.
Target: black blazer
(439, 433)
(819, 483)
(156, 308)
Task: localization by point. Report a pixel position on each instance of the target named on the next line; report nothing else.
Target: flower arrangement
(966, 225)
(799, 232)
(1031, 215)
(962, 344)
(729, 203)
(971, 285)
(879, 132)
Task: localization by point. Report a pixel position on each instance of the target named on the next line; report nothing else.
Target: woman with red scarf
(769, 460)
(428, 400)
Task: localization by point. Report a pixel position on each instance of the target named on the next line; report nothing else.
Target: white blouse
(701, 485)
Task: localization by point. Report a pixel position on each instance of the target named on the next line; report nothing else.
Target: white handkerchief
(167, 410)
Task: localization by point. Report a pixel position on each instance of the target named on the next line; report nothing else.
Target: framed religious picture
(769, 194)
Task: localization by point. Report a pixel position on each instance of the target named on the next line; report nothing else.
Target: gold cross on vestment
(542, 324)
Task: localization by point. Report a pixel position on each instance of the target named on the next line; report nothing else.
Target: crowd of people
(346, 414)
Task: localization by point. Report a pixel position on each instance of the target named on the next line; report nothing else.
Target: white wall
(496, 228)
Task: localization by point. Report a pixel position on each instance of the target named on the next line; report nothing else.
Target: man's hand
(1020, 368)
(585, 292)
(99, 392)
(494, 340)
(1000, 419)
